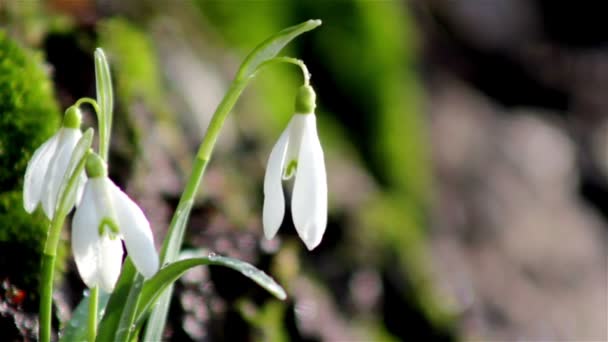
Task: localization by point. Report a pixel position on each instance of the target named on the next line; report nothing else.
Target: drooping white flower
(298, 154)
(47, 167)
(105, 216)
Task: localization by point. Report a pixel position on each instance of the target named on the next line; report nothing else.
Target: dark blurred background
(466, 146)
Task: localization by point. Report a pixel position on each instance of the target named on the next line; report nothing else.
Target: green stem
(177, 228)
(289, 60)
(46, 297)
(90, 101)
(101, 124)
(47, 276)
(92, 319)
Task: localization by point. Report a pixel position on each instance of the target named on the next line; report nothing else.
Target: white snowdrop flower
(47, 168)
(105, 216)
(298, 154)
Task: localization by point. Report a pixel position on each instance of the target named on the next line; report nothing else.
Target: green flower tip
(72, 117)
(99, 53)
(305, 100)
(315, 22)
(95, 166)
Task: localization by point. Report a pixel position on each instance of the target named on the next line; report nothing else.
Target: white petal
(85, 238)
(274, 202)
(58, 167)
(136, 232)
(98, 259)
(110, 264)
(309, 200)
(35, 173)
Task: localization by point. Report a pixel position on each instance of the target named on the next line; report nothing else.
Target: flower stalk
(92, 319)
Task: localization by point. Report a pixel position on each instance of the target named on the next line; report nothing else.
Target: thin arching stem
(104, 139)
(290, 60)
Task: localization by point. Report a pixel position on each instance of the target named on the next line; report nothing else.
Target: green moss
(28, 112)
(28, 116)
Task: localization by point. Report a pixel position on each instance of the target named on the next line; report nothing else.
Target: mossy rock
(29, 115)
(28, 111)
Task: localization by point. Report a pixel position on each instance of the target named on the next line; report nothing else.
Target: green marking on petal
(290, 170)
(111, 225)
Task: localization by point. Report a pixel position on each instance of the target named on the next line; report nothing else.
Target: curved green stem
(176, 231)
(290, 60)
(92, 319)
(90, 101)
(104, 139)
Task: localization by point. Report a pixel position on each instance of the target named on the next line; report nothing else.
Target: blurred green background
(465, 151)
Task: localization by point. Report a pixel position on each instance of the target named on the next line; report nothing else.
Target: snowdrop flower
(298, 154)
(47, 168)
(105, 216)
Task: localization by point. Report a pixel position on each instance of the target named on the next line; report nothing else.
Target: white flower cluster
(104, 214)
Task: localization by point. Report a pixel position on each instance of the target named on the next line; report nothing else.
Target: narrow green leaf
(125, 326)
(76, 328)
(105, 99)
(116, 304)
(170, 251)
(272, 46)
(172, 244)
(155, 286)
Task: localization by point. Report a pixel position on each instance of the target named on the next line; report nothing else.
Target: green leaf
(76, 328)
(125, 326)
(155, 286)
(170, 251)
(116, 304)
(272, 46)
(105, 98)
